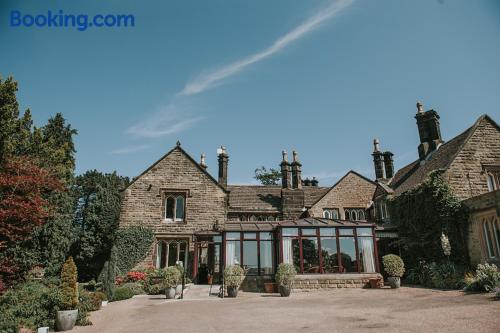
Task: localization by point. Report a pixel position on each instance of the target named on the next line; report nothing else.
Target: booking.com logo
(61, 20)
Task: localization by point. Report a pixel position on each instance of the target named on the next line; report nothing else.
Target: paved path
(343, 310)
(201, 292)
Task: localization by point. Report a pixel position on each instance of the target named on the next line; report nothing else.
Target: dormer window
(355, 214)
(175, 207)
(331, 213)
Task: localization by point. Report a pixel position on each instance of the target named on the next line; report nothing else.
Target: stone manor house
(338, 231)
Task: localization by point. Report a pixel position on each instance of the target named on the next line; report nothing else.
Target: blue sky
(322, 77)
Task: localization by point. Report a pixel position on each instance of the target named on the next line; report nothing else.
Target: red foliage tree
(23, 189)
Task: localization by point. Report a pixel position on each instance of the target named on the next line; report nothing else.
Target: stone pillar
(286, 178)
(429, 131)
(296, 172)
(377, 160)
(388, 164)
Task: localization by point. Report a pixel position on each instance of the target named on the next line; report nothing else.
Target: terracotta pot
(210, 279)
(269, 287)
(232, 291)
(376, 283)
(65, 320)
(285, 291)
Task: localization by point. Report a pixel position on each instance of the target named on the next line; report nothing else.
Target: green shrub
(132, 243)
(69, 285)
(445, 276)
(109, 273)
(486, 278)
(122, 293)
(136, 287)
(31, 304)
(96, 298)
(155, 289)
(393, 265)
(233, 276)
(85, 305)
(153, 284)
(285, 275)
(172, 277)
(420, 274)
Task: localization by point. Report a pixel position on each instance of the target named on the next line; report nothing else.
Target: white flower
(445, 245)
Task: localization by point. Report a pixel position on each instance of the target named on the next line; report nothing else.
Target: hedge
(132, 243)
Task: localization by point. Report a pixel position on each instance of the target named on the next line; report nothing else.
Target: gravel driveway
(344, 310)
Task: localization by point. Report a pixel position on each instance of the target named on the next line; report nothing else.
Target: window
(255, 253)
(491, 234)
(355, 214)
(492, 179)
(331, 213)
(174, 207)
(365, 249)
(169, 252)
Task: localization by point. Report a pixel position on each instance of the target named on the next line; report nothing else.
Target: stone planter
(232, 291)
(178, 289)
(170, 293)
(43, 330)
(394, 282)
(285, 291)
(65, 320)
(104, 303)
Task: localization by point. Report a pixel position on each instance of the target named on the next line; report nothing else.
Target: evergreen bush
(69, 287)
(108, 274)
(393, 265)
(285, 275)
(122, 293)
(233, 276)
(172, 277)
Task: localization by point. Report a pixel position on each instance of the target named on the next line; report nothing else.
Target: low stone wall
(329, 281)
(255, 283)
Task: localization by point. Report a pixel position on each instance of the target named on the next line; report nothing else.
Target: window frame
(166, 255)
(175, 195)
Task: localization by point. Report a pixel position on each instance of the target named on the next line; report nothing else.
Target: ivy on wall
(423, 214)
(132, 244)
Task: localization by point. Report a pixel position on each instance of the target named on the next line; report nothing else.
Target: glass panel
(290, 231)
(233, 253)
(233, 235)
(348, 254)
(266, 236)
(329, 254)
(179, 208)
(296, 253)
(250, 261)
(364, 231)
(347, 215)
(309, 232)
(169, 208)
(266, 257)
(326, 214)
(335, 214)
(310, 255)
(366, 255)
(217, 239)
(182, 253)
(172, 253)
(162, 254)
(327, 231)
(345, 232)
(250, 235)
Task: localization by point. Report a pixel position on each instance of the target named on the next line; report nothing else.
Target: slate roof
(416, 172)
(266, 198)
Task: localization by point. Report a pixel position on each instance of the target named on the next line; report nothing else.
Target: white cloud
(214, 78)
(130, 149)
(167, 121)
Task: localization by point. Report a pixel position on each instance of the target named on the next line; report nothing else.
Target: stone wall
(333, 281)
(466, 173)
(143, 200)
(352, 191)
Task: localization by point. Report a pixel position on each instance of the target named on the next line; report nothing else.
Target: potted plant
(284, 277)
(170, 281)
(269, 287)
(233, 277)
(66, 318)
(395, 268)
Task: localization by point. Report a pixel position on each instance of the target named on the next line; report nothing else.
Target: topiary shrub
(96, 299)
(133, 244)
(85, 305)
(69, 286)
(172, 277)
(393, 265)
(233, 276)
(122, 293)
(109, 273)
(285, 275)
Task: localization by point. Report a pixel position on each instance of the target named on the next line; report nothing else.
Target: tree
(97, 217)
(23, 206)
(267, 177)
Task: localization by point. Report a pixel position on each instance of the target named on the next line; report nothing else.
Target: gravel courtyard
(345, 310)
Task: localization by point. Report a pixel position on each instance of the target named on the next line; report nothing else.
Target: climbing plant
(423, 214)
(132, 243)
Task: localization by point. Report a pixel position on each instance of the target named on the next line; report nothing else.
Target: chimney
(306, 182)
(388, 164)
(428, 130)
(286, 178)
(203, 164)
(314, 182)
(223, 160)
(377, 160)
(296, 171)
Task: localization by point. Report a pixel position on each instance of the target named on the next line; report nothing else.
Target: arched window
(326, 214)
(270, 218)
(354, 215)
(175, 207)
(179, 208)
(170, 252)
(361, 215)
(335, 214)
(347, 215)
(253, 218)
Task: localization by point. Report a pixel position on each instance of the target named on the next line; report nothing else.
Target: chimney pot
(420, 107)
(376, 145)
(223, 160)
(203, 164)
